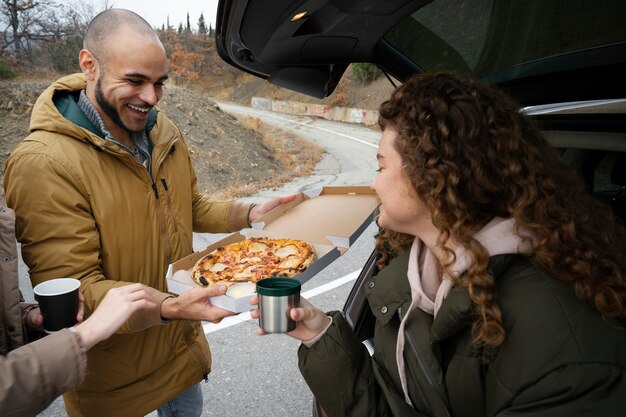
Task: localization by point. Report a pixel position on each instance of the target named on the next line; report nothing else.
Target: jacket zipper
(443, 402)
(162, 225)
(169, 204)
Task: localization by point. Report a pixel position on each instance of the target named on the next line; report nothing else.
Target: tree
(44, 33)
(22, 24)
(183, 63)
(188, 27)
(202, 29)
(180, 28)
(366, 72)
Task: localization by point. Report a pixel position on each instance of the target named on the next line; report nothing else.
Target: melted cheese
(291, 263)
(218, 267)
(257, 247)
(286, 251)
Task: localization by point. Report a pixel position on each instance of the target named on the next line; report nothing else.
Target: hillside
(224, 82)
(231, 157)
(348, 93)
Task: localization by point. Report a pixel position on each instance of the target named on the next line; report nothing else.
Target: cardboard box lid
(328, 216)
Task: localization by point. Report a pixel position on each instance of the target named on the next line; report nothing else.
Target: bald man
(104, 191)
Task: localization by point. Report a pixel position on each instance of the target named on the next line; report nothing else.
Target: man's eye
(135, 82)
(379, 169)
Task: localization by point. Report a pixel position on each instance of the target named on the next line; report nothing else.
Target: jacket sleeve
(58, 232)
(338, 370)
(32, 376)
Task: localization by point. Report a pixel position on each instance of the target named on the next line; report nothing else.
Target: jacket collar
(456, 311)
(389, 291)
(66, 103)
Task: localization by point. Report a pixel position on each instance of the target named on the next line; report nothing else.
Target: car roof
(540, 51)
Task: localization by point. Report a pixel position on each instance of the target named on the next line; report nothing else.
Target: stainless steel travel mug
(277, 296)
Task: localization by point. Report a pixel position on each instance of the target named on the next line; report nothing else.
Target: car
(564, 63)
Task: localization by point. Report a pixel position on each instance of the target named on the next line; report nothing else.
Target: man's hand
(195, 305)
(261, 209)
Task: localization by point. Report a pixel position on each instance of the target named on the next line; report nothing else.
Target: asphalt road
(258, 376)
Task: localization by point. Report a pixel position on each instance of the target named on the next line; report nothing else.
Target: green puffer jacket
(87, 209)
(560, 357)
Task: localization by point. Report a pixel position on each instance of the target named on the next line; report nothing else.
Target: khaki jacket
(86, 209)
(31, 376)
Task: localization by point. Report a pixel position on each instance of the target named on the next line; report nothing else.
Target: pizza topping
(257, 247)
(286, 251)
(218, 267)
(253, 259)
(290, 263)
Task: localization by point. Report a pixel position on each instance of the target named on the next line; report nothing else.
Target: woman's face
(401, 210)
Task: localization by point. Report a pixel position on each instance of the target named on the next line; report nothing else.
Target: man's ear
(88, 64)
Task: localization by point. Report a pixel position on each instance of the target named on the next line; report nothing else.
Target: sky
(157, 11)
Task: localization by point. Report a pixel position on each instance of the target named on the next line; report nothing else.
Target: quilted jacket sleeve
(32, 376)
(338, 370)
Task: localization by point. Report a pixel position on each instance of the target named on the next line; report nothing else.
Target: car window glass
(485, 37)
(604, 173)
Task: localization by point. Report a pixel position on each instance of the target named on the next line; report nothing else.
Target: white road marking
(243, 317)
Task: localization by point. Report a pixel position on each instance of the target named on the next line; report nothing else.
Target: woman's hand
(114, 309)
(310, 319)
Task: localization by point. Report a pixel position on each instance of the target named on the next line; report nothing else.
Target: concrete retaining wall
(341, 114)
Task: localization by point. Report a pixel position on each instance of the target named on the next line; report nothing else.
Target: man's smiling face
(130, 83)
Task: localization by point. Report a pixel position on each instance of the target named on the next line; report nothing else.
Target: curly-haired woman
(502, 288)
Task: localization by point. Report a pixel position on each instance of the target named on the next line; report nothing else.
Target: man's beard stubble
(109, 109)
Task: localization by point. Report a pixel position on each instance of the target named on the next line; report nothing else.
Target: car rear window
(486, 37)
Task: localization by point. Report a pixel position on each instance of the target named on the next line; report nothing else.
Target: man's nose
(150, 95)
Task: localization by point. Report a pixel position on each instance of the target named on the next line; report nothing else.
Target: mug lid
(276, 287)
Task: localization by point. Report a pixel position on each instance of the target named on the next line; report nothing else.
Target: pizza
(253, 259)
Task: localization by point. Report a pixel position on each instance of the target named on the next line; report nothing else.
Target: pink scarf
(429, 287)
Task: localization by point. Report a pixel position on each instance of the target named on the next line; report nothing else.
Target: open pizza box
(328, 218)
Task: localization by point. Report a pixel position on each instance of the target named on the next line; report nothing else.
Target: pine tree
(188, 27)
(180, 28)
(202, 29)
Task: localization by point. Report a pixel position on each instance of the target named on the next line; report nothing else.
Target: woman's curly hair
(470, 155)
